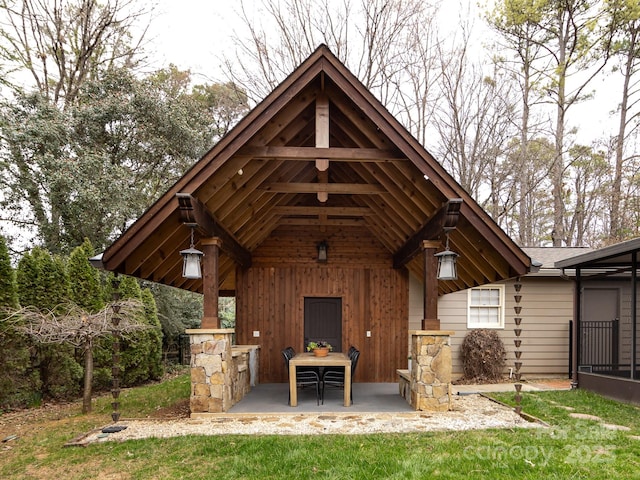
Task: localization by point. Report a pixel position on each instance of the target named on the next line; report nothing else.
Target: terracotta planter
(321, 352)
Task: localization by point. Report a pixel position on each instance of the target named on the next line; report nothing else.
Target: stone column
(431, 370)
(211, 382)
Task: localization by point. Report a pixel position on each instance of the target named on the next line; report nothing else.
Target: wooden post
(210, 282)
(430, 321)
(322, 141)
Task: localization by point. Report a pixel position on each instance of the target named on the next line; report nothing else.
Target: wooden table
(333, 359)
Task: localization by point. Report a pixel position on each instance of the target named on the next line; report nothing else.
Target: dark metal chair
(303, 377)
(335, 378)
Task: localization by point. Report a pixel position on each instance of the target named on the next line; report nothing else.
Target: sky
(192, 34)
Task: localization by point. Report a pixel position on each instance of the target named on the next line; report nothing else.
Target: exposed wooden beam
(330, 211)
(337, 154)
(336, 222)
(444, 219)
(192, 211)
(322, 141)
(340, 188)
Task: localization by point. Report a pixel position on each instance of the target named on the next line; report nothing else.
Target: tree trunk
(88, 376)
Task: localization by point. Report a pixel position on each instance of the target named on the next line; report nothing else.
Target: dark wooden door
(323, 321)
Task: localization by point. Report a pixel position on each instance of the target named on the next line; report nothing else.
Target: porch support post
(210, 282)
(577, 315)
(634, 315)
(430, 320)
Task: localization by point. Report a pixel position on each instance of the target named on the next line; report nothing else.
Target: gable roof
(263, 175)
(546, 258)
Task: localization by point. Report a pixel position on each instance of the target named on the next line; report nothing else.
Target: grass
(570, 448)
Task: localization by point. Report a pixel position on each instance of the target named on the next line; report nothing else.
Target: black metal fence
(599, 346)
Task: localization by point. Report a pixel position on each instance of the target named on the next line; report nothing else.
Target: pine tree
(85, 288)
(154, 335)
(43, 283)
(16, 385)
(8, 287)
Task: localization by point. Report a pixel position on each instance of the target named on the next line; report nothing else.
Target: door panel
(599, 329)
(323, 321)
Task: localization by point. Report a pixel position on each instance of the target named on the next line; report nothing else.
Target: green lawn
(569, 449)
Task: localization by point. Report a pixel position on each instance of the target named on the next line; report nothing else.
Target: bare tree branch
(74, 325)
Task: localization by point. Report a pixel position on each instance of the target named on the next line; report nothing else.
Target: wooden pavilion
(319, 162)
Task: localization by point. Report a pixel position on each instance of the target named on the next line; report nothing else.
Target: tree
(226, 104)
(85, 287)
(589, 186)
(8, 288)
(624, 20)
(567, 35)
(389, 45)
(516, 23)
(474, 126)
(72, 326)
(90, 170)
(154, 336)
(43, 286)
(16, 382)
(141, 351)
(63, 44)
(177, 311)
(87, 145)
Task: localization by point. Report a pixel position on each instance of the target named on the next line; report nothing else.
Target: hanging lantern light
(191, 261)
(322, 251)
(447, 263)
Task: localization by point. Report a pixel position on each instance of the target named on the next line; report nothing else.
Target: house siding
(547, 309)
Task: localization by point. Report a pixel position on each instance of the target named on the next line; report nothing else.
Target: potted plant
(319, 349)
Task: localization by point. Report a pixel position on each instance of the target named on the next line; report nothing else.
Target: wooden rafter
(444, 219)
(336, 154)
(342, 188)
(193, 212)
(329, 211)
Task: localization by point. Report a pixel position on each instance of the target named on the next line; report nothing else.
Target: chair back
(286, 353)
(354, 361)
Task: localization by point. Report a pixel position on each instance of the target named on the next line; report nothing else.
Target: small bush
(483, 356)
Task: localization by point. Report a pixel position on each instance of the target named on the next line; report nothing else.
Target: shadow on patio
(367, 397)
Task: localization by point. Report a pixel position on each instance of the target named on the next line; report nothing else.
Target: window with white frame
(486, 307)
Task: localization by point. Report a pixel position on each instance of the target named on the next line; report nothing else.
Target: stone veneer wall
(431, 370)
(220, 373)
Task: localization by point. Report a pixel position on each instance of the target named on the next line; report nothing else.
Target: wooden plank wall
(270, 298)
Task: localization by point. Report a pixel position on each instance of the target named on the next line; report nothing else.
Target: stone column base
(431, 370)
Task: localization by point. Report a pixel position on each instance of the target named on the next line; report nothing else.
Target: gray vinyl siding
(547, 308)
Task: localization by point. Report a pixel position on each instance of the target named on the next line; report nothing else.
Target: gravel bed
(469, 412)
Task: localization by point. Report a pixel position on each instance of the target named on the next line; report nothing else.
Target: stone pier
(221, 374)
(431, 370)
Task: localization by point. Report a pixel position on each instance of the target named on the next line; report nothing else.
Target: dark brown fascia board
(194, 213)
(443, 220)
